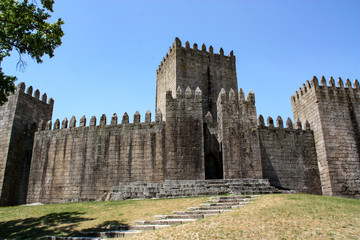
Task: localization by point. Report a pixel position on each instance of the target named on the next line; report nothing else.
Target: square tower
(193, 67)
(334, 115)
(19, 118)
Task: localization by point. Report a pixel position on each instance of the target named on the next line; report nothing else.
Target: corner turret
(20, 117)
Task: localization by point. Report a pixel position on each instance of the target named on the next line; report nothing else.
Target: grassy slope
(32, 222)
(275, 217)
(269, 217)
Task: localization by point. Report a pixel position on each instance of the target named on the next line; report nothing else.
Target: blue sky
(112, 48)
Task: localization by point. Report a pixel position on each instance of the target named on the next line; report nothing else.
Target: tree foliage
(24, 29)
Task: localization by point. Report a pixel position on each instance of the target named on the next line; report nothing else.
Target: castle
(203, 129)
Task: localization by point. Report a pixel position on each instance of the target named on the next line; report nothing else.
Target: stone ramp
(191, 188)
(218, 204)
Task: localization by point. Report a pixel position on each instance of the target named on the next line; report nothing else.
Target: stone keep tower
(214, 73)
(334, 116)
(19, 118)
(193, 67)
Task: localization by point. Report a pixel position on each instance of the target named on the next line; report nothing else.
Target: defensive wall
(288, 155)
(19, 118)
(284, 156)
(80, 163)
(205, 133)
(334, 115)
(238, 136)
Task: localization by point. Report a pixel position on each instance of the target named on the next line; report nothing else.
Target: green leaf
(24, 28)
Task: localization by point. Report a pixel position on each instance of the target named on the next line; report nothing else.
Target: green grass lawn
(297, 216)
(33, 222)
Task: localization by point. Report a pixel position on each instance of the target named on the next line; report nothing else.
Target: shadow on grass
(108, 226)
(35, 228)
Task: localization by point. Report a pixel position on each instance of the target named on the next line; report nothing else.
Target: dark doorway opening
(213, 167)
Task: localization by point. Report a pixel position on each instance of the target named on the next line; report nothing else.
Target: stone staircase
(190, 188)
(215, 205)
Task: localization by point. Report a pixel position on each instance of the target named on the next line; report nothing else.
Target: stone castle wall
(203, 129)
(81, 163)
(184, 135)
(18, 120)
(7, 112)
(165, 80)
(288, 156)
(193, 67)
(334, 115)
(238, 136)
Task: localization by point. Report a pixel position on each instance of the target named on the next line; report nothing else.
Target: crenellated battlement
(29, 91)
(230, 97)
(184, 127)
(208, 52)
(203, 129)
(288, 154)
(19, 118)
(185, 66)
(280, 125)
(136, 124)
(236, 126)
(331, 107)
(314, 86)
(243, 108)
(187, 94)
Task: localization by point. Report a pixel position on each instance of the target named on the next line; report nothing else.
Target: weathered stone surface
(191, 67)
(186, 188)
(19, 119)
(288, 158)
(203, 129)
(334, 116)
(83, 163)
(238, 136)
(184, 138)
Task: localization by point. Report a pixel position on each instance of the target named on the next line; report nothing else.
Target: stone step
(242, 185)
(217, 185)
(211, 208)
(247, 200)
(134, 227)
(214, 206)
(184, 216)
(202, 211)
(252, 192)
(111, 234)
(184, 194)
(164, 221)
(148, 227)
(183, 188)
(222, 204)
(71, 238)
(201, 208)
(229, 201)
